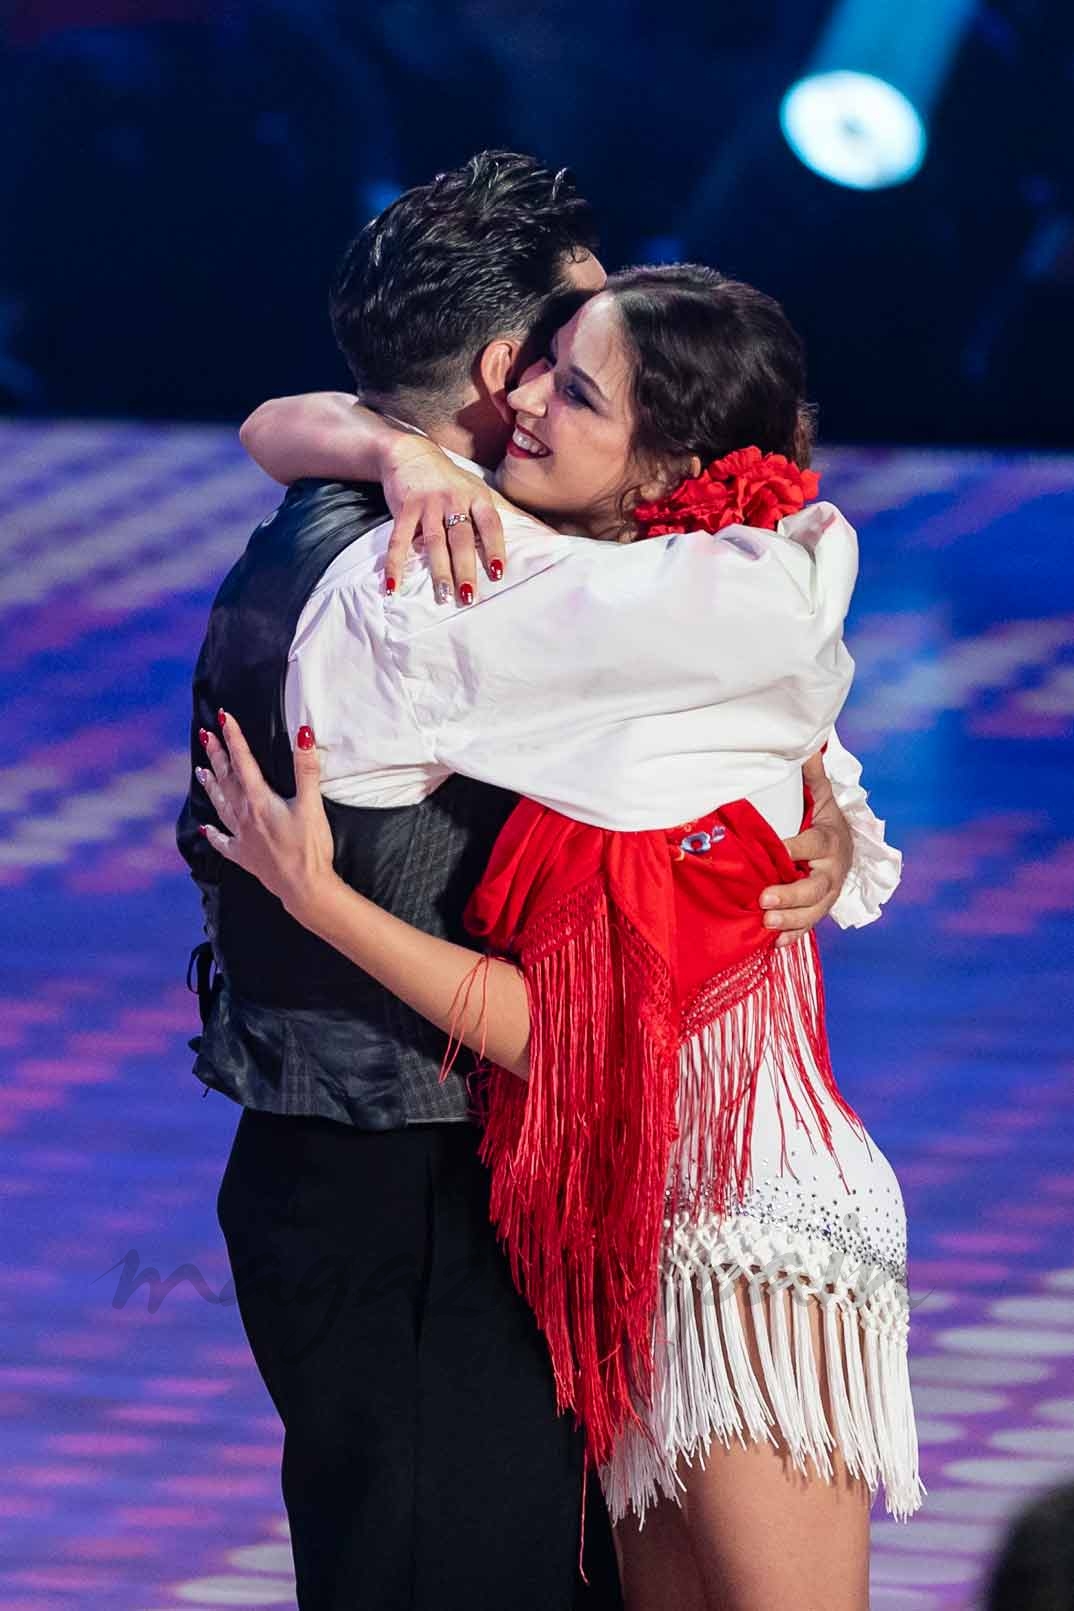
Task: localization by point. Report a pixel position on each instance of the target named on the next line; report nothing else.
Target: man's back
(292, 1026)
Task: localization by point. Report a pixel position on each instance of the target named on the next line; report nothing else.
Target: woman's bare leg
(758, 1533)
(656, 1564)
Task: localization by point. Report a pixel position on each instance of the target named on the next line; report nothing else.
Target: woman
(680, 1167)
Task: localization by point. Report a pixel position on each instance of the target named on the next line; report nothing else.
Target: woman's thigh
(657, 1567)
(758, 1533)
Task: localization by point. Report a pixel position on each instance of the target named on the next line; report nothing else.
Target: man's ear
(496, 374)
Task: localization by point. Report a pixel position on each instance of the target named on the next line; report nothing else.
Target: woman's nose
(530, 395)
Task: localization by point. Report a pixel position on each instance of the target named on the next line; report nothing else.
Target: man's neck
(469, 432)
(456, 439)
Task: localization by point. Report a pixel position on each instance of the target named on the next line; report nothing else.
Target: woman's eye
(571, 391)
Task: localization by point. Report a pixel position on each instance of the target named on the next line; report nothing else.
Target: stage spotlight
(853, 129)
(859, 114)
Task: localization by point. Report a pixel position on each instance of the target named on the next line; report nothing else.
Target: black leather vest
(289, 1024)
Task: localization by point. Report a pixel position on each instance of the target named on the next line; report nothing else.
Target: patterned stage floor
(141, 1448)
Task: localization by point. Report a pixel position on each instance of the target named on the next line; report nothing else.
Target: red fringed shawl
(654, 992)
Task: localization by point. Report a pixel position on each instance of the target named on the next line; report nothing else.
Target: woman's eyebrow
(587, 380)
(573, 368)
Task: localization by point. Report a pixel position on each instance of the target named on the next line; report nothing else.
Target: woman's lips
(524, 446)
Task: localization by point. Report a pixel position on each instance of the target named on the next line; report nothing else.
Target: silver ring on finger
(455, 520)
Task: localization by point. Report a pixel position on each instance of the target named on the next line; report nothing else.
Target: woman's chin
(519, 481)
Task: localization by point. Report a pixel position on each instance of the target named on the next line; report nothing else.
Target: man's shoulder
(314, 520)
(315, 513)
(311, 500)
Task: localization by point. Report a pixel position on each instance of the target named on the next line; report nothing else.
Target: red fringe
(772, 1005)
(590, 1155)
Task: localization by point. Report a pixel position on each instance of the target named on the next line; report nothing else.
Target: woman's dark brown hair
(717, 366)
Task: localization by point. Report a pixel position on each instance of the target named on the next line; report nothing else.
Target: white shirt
(630, 686)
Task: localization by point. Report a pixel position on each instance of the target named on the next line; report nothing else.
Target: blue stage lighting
(376, 194)
(854, 129)
(859, 114)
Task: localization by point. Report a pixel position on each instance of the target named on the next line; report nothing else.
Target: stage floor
(141, 1450)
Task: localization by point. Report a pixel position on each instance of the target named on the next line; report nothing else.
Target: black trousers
(424, 1467)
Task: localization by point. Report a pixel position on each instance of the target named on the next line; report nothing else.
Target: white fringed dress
(817, 1227)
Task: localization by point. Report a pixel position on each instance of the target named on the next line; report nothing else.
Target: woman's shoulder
(817, 523)
(832, 541)
(811, 557)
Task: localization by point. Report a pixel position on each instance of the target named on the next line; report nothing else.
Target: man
(423, 1464)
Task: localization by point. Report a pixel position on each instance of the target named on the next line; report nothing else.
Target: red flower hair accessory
(745, 488)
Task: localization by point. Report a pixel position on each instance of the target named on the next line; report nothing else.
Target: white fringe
(706, 1387)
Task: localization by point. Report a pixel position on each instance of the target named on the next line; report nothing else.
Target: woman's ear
(496, 374)
(669, 477)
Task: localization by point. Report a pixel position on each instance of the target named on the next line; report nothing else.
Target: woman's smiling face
(571, 457)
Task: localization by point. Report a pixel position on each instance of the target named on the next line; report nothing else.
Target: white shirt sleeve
(342, 682)
(877, 866)
(637, 686)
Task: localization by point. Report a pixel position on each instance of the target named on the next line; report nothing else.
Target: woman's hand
(285, 844)
(424, 490)
(331, 435)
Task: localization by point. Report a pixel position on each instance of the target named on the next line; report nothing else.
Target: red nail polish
(203, 830)
(496, 569)
(466, 594)
(389, 584)
(203, 735)
(306, 739)
(221, 718)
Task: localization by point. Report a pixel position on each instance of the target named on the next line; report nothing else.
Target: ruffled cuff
(877, 866)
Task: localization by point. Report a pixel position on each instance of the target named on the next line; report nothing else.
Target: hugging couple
(509, 881)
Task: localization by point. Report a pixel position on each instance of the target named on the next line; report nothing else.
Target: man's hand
(828, 847)
(424, 489)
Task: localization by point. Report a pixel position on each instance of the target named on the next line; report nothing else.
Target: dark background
(179, 179)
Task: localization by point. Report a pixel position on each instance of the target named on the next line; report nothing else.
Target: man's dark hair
(449, 266)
